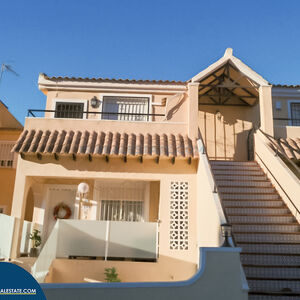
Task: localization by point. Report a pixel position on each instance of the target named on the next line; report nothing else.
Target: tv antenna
(7, 68)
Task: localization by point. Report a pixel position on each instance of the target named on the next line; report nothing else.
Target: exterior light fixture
(226, 229)
(95, 102)
(83, 189)
(218, 115)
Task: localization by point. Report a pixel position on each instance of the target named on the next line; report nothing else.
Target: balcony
(286, 128)
(107, 239)
(103, 115)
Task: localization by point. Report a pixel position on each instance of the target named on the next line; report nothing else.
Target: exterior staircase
(263, 227)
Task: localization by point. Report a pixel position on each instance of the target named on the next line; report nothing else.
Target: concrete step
(235, 167)
(246, 190)
(260, 219)
(267, 237)
(246, 183)
(274, 285)
(232, 163)
(238, 172)
(291, 227)
(250, 196)
(240, 178)
(253, 203)
(279, 296)
(272, 272)
(257, 211)
(270, 260)
(270, 248)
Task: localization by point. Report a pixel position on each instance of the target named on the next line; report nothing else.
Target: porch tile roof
(105, 144)
(289, 147)
(113, 80)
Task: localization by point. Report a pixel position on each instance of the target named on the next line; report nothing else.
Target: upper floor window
(125, 108)
(295, 113)
(72, 110)
(6, 157)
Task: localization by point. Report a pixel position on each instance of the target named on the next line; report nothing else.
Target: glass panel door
(116, 210)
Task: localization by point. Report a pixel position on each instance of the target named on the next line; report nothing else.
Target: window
(115, 210)
(125, 108)
(6, 157)
(73, 110)
(295, 113)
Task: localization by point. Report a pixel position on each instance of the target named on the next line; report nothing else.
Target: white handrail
(209, 201)
(280, 175)
(41, 267)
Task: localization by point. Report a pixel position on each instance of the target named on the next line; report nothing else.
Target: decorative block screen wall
(179, 223)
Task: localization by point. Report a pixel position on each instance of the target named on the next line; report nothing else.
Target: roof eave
(242, 67)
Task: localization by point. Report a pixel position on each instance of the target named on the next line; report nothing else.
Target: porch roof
(289, 147)
(92, 143)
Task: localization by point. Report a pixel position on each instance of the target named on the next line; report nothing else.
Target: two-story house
(10, 129)
(146, 171)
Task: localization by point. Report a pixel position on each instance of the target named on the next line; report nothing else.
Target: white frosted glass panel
(81, 238)
(6, 233)
(48, 253)
(132, 239)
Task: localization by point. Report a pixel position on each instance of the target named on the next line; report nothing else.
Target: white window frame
(290, 110)
(150, 96)
(146, 210)
(55, 100)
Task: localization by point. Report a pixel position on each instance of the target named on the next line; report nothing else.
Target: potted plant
(36, 242)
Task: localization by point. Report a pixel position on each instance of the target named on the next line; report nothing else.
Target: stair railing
(261, 136)
(207, 171)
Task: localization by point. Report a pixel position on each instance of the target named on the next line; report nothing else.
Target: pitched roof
(242, 67)
(7, 120)
(105, 144)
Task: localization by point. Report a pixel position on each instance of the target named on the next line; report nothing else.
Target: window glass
(295, 114)
(116, 210)
(69, 110)
(125, 108)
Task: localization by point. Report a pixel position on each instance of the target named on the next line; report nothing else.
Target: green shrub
(111, 275)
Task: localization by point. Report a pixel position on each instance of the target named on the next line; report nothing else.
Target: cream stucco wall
(32, 170)
(166, 269)
(225, 137)
(175, 109)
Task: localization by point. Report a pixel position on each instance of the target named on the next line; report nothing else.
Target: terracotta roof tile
(288, 147)
(113, 80)
(286, 85)
(105, 144)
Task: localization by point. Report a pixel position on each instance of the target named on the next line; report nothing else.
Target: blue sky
(171, 40)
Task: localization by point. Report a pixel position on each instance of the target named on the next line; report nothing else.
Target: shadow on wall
(176, 105)
(225, 130)
(114, 164)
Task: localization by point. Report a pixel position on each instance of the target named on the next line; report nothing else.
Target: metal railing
(31, 113)
(290, 121)
(270, 172)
